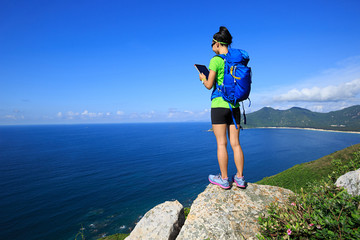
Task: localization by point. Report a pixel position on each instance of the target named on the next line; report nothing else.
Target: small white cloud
(10, 117)
(134, 115)
(148, 115)
(14, 117)
(91, 114)
(72, 114)
(317, 108)
(205, 111)
(187, 115)
(188, 112)
(59, 114)
(119, 113)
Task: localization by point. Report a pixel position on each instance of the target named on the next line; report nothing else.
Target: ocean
(58, 179)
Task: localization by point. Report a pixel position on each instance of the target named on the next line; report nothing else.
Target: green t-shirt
(217, 65)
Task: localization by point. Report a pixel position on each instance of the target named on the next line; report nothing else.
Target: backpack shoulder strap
(220, 55)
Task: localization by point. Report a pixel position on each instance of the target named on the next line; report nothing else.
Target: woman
(221, 116)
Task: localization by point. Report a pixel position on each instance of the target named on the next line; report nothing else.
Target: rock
(350, 181)
(164, 221)
(230, 214)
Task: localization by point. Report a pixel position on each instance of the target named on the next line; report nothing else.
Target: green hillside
(300, 175)
(347, 119)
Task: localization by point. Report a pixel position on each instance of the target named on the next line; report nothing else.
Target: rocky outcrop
(230, 214)
(350, 181)
(164, 221)
(215, 214)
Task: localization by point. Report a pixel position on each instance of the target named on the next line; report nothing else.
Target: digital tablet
(202, 69)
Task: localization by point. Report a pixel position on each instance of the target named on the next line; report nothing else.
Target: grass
(118, 236)
(300, 175)
(186, 211)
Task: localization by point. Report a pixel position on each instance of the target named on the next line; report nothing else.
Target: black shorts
(223, 116)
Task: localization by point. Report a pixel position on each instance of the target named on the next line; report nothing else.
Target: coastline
(311, 129)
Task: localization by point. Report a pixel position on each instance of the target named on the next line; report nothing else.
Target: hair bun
(223, 36)
(223, 29)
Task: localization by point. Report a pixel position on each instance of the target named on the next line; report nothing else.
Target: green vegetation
(300, 175)
(186, 211)
(118, 236)
(347, 119)
(327, 212)
(323, 211)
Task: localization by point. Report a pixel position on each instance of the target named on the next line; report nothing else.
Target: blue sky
(132, 61)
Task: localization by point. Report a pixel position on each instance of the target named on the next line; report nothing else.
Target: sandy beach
(312, 129)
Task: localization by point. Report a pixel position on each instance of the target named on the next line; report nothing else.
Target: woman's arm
(208, 83)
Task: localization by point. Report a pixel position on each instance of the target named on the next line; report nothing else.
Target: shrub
(328, 212)
(341, 167)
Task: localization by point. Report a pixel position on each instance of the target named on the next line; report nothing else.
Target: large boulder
(230, 214)
(164, 221)
(350, 181)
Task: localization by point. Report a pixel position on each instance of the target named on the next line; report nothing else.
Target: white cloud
(10, 117)
(83, 115)
(72, 114)
(329, 90)
(330, 93)
(92, 114)
(14, 115)
(186, 115)
(86, 114)
(148, 115)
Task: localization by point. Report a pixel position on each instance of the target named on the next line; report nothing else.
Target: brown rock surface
(230, 214)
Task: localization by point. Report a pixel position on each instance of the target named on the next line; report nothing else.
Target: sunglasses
(214, 41)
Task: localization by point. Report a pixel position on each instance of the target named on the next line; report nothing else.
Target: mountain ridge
(347, 119)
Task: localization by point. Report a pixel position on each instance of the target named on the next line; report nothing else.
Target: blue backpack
(237, 79)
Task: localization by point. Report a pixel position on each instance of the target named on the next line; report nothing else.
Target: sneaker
(240, 181)
(217, 180)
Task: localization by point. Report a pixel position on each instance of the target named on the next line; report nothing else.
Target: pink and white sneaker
(217, 180)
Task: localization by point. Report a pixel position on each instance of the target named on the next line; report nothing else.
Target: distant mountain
(347, 119)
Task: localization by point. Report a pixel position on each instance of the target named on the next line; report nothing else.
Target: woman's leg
(221, 139)
(238, 153)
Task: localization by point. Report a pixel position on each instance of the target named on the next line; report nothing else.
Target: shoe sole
(240, 186)
(219, 184)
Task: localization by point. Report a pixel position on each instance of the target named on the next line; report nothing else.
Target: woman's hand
(208, 83)
(202, 77)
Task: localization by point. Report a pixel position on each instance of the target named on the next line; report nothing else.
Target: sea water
(60, 180)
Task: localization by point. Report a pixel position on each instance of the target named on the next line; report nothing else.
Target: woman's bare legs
(221, 139)
(238, 153)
